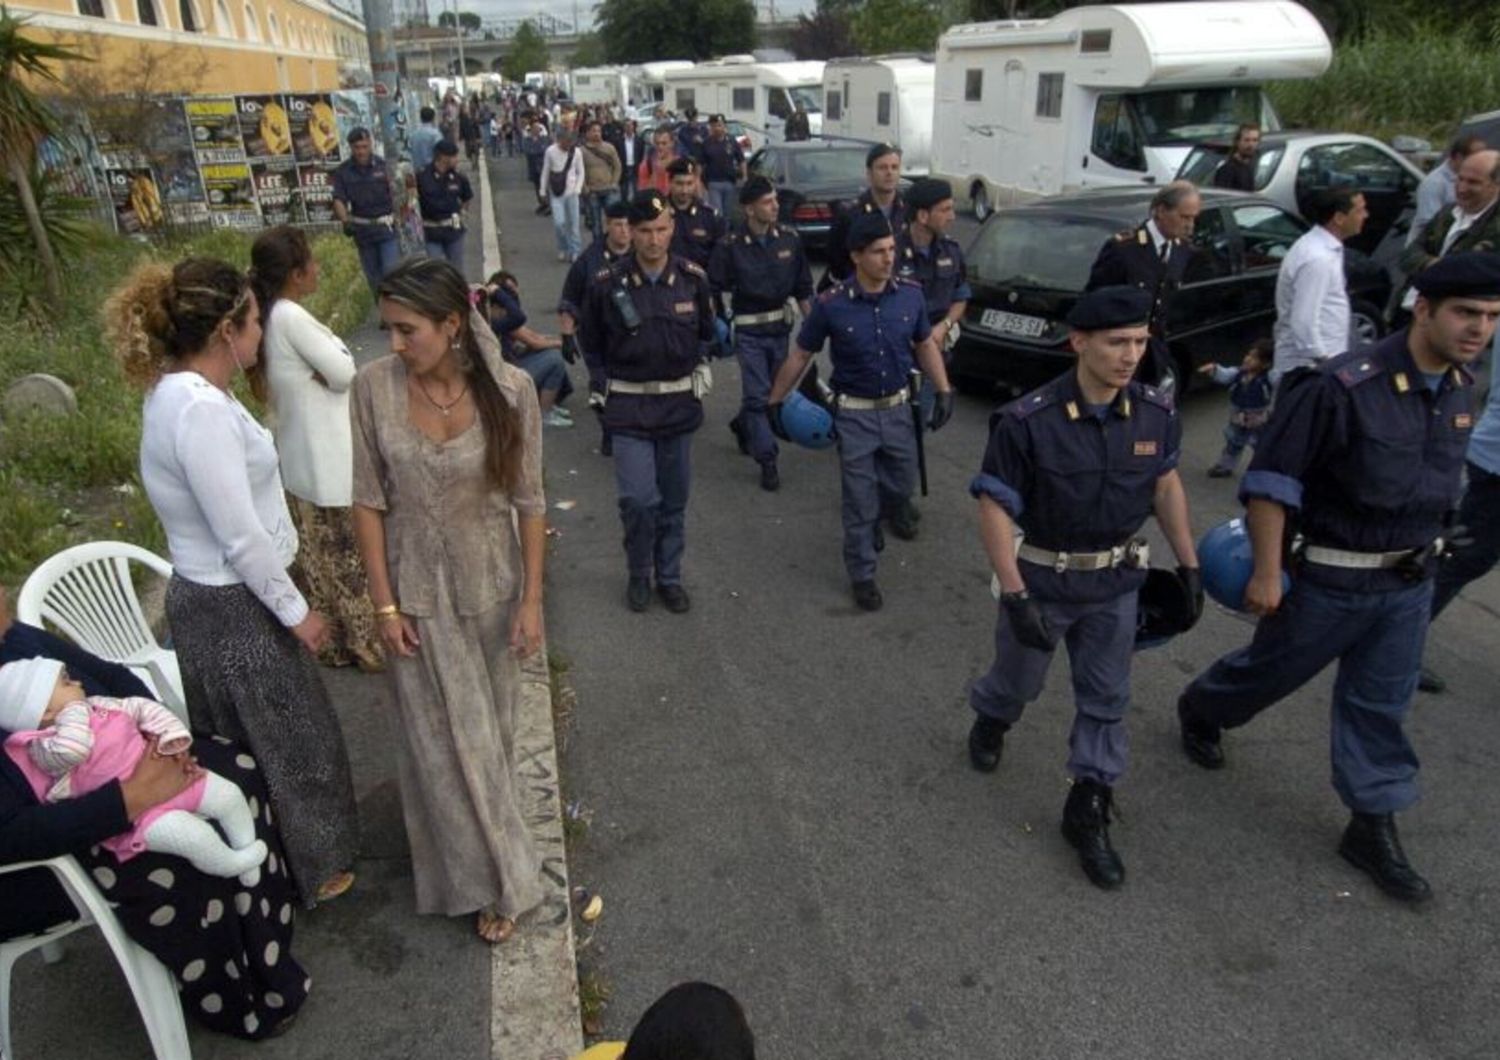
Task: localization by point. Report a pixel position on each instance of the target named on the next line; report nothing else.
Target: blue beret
(445, 147)
(755, 189)
(879, 151)
(1110, 307)
(928, 192)
(1469, 274)
(617, 210)
(647, 205)
(866, 228)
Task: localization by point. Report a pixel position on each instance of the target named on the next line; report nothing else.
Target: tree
(896, 25)
(24, 120)
(467, 19)
(589, 51)
(528, 52)
(825, 34)
(640, 31)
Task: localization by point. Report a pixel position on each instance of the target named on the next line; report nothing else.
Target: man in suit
(631, 146)
(1471, 223)
(1153, 257)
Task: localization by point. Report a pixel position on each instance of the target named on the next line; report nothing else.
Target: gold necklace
(446, 410)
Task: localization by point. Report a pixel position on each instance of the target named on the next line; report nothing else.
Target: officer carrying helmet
(363, 203)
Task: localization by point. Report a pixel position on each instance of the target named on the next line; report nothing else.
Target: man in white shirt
(1471, 223)
(1438, 189)
(561, 185)
(1312, 296)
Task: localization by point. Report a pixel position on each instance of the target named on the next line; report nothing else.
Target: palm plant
(24, 119)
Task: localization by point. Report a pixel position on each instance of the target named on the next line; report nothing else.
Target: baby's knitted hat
(25, 690)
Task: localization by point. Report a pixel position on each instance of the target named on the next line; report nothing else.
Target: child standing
(1250, 393)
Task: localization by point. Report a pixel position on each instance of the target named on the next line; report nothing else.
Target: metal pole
(463, 70)
(379, 25)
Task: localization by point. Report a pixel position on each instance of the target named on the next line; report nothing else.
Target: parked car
(1028, 264)
(1485, 126)
(812, 178)
(1293, 165)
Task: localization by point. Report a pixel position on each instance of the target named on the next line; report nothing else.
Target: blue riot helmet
(1164, 608)
(1227, 562)
(806, 422)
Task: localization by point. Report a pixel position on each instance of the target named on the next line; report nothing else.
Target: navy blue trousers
(1376, 638)
(1100, 639)
(377, 259)
(878, 466)
(653, 476)
(760, 358)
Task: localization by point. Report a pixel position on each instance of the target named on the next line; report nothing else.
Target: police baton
(914, 397)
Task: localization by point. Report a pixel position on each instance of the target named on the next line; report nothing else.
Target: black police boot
(904, 523)
(1371, 845)
(879, 538)
(638, 594)
(1085, 825)
(1428, 681)
(675, 598)
(741, 436)
(770, 478)
(867, 596)
(1200, 739)
(913, 513)
(986, 741)
(606, 444)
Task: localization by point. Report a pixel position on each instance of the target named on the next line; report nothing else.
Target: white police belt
(1133, 553)
(387, 219)
(775, 316)
(653, 387)
(1338, 557)
(848, 403)
(453, 221)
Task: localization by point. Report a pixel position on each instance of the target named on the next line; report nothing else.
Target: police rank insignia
(1145, 448)
(1463, 421)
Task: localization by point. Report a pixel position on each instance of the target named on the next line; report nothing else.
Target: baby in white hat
(68, 745)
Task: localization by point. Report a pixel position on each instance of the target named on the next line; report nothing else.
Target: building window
(223, 21)
(189, 17)
(1049, 91)
(145, 13)
(274, 27)
(742, 99)
(684, 100)
(973, 86)
(833, 106)
(882, 108)
(1095, 41)
(92, 8)
(252, 25)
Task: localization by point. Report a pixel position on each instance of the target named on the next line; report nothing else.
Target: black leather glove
(348, 227)
(942, 410)
(1027, 621)
(570, 350)
(773, 414)
(1192, 583)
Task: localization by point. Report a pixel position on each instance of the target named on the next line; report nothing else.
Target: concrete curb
(489, 230)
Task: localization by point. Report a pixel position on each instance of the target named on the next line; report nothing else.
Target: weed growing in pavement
(85, 462)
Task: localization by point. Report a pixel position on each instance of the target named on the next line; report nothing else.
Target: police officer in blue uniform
(362, 202)
(609, 247)
(723, 164)
(697, 227)
(1362, 459)
(760, 266)
(645, 321)
(1076, 466)
(883, 196)
(1153, 257)
(873, 323)
(442, 195)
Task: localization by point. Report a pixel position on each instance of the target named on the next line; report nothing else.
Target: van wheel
(979, 200)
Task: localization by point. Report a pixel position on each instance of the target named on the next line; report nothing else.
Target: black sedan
(812, 178)
(1028, 264)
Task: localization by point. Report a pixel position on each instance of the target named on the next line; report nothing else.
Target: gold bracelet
(387, 611)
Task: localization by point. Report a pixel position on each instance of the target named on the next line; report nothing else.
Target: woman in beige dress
(450, 520)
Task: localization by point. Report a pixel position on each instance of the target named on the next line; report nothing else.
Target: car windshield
(833, 165)
(1202, 160)
(810, 96)
(1192, 114)
(1037, 249)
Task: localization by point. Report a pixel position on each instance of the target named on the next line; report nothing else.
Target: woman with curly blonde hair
(244, 635)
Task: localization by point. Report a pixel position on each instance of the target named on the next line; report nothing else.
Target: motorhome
(759, 95)
(1110, 94)
(601, 86)
(885, 98)
(648, 80)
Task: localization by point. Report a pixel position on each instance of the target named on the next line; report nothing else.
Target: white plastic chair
(86, 592)
(150, 982)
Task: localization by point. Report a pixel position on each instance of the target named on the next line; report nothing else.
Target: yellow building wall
(242, 47)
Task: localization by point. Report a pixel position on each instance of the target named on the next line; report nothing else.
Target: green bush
(65, 479)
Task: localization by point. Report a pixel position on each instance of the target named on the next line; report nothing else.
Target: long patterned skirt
(329, 573)
(249, 679)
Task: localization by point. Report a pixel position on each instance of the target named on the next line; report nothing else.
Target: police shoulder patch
(1356, 370)
(1125, 235)
(1031, 404)
(1153, 396)
(692, 268)
(830, 293)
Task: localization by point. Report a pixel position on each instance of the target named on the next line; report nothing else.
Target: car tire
(979, 202)
(1366, 325)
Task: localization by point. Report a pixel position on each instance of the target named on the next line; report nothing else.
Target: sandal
(494, 928)
(335, 887)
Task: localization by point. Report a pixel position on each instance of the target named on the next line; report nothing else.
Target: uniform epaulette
(1358, 370)
(1156, 396)
(1031, 403)
(604, 273)
(692, 268)
(828, 294)
(1125, 235)
(907, 281)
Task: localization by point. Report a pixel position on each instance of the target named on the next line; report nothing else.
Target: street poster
(315, 133)
(265, 129)
(231, 195)
(215, 129)
(177, 167)
(356, 110)
(316, 183)
(136, 201)
(277, 191)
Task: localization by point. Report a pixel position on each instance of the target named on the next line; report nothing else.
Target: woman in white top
(304, 374)
(243, 633)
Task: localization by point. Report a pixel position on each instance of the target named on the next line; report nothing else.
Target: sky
(506, 9)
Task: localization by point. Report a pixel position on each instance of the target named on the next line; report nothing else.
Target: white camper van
(761, 95)
(601, 86)
(1113, 94)
(648, 80)
(886, 98)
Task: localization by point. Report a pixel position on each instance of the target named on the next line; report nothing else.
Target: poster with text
(316, 183)
(177, 167)
(315, 130)
(356, 110)
(277, 191)
(265, 129)
(136, 200)
(215, 129)
(231, 195)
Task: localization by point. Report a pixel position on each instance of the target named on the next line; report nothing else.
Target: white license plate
(1013, 323)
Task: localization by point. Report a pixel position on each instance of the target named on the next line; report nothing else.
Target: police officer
(883, 196)
(596, 257)
(1362, 457)
(696, 225)
(1077, 466)
(927, 257)
(442, 194)
(1153, 257)
(645, 320)
(723, 164)
(362, 202)
(760, 266)
(873, 323)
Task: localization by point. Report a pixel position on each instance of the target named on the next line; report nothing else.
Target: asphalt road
(781, 803)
